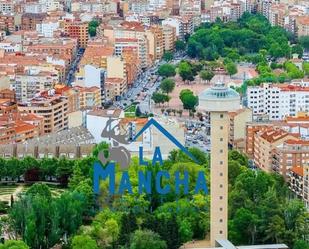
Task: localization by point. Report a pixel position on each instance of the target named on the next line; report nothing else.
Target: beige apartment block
(116, 67)
(155, 42)
(114, 88)
(89, 97)
(306, 184)
(237, 129)
(29, 84)
(54, 110)
(302, 26)
(265, 144)
(169, 37)
(291, 153)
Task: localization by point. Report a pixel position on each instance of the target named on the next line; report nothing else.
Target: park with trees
(260, 210)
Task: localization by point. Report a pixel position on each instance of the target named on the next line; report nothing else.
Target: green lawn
(129, 112)
(7, 190)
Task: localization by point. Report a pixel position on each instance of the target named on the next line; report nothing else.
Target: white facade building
(10, 47)
(174, 22)
(47, 28)
(35, 8)
(278, 101)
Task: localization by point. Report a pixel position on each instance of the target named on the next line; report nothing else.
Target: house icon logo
(148, 181)
(117, 151)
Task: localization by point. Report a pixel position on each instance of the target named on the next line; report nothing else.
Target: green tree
(39, 189)
(168, 56)
(92, 27)
(298, 49)
(83, 242)
(275, 229)
(188, 99)
(167, 70)
(304, 41)
(180, 45)
(185, 71)
(160, 98)
(301, 244)
(231, 68)
(128, 226)
(306, 68)
(206, 75)
(246, 222)
(146, 239)
(167, 85)
(14, 244)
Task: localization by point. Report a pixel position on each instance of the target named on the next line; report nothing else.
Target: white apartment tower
(277, 101)
(218, 101)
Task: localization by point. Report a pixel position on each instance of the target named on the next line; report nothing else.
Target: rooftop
(298, 170)
(105, 113)
(76, 136)
(219, 91)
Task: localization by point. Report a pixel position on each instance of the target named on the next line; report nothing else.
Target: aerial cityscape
(154, 124)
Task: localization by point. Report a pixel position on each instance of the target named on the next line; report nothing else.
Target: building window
(221, 127)
(221, 139)
(221, 151)
(221, 115)
(221, 162)
(221, 186)
(221, 174)
(221, 220)
(220, 232)
(221, 197)
(221, 209)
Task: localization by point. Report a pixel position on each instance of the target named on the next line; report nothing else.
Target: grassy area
(8, 190)
(129, 112)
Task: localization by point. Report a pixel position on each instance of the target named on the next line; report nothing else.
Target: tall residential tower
(218, 101)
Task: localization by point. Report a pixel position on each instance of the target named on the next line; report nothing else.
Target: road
(142, 90)
(73, 67)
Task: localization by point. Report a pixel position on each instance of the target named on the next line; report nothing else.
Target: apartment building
(169, 37)
(115, 88)
(252, 128)
(278, 101)
(7, 101)
(129, 30)
(6, 6)
(155, 42)
(116, 67)
(265, 144)
(47, 28)
(122, 43)
(78, 30)
(302, 26)
(289, 154)
(30, 20)
(89, 97)
(53, 108)
(130, 56)
(19, 127)
(237, 127)
(7, 22)
(72, 95)
(65, 48)
(96, 54)
(306, 185)
(35, 8)
(17, 132)
(296, 181)
(27, 85)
